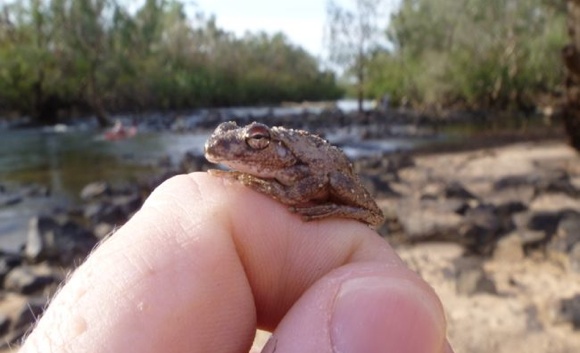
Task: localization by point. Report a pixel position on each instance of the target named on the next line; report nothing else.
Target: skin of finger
(400, 313)
(170, 280)
(204, 260)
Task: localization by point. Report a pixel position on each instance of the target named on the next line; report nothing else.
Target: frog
(299, 169)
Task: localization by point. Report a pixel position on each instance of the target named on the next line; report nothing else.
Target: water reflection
(65, 162)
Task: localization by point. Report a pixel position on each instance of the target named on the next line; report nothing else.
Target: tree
(485, 54)
(353, 36)
(96, 56)
(571, 58)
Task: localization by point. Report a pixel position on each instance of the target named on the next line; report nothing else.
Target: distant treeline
(100, 56)
(499, 54)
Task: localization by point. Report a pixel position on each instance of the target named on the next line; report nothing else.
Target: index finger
(204, 260)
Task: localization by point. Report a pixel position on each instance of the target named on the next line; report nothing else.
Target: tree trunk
(360, 77)
(96, 102)
(571, 58)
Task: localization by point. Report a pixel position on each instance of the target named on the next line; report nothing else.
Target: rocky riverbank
(494, 230)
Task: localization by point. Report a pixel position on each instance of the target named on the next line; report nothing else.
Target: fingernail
(375, 314)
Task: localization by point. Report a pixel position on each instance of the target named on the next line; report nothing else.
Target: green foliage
(95, 54)
(493, 53)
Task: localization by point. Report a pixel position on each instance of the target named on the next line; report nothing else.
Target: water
(65, 162)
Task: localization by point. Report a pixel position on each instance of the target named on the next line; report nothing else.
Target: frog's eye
(258, 137)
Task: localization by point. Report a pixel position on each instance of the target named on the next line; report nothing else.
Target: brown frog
(297, 168)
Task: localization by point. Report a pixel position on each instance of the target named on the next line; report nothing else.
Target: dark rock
(40, 229)
(127, 203)
(557, 182)
(104, 211)
(505, 212)
(95, 190)
(399, 161)
(544, 221)
(73, 243)
(192, 162)
(24, 280)
(63, 242)
(7, 263)
(570, 311)
(14, 338)
(567, 232)
(458, 206)
(472, 278)
(4, 324)
(515, 181)
(377, 186)
(481, 228)
(537, 228)
(456, 190)
(521, 194)
(29, 313)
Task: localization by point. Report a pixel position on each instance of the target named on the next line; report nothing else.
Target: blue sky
(301, 20)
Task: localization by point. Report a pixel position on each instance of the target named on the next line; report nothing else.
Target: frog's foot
(311, 213)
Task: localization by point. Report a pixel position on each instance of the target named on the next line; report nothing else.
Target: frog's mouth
(259, 171)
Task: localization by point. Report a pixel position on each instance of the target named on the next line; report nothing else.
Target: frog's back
(314, 150)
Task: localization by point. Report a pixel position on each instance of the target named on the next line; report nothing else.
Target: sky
(301, 20)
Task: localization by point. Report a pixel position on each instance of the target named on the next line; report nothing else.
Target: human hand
(206, 261)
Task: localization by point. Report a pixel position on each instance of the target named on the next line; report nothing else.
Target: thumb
(367, 308)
